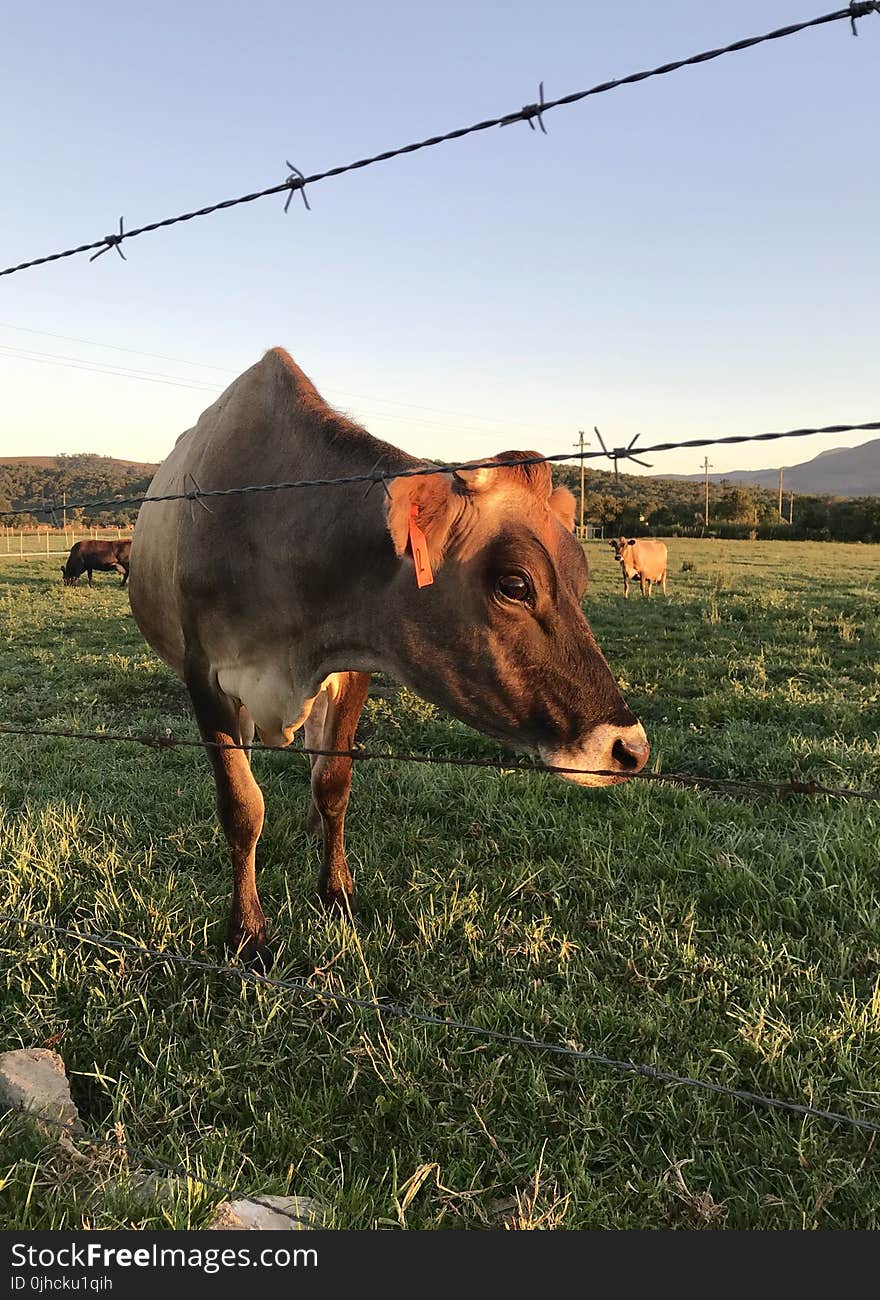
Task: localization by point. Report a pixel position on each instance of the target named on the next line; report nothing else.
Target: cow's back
(649, 558)
(229, 563)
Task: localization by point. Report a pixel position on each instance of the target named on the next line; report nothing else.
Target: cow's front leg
(121, 568)
(240, 808)
(625, 587)
(332, 725)
(313, 734)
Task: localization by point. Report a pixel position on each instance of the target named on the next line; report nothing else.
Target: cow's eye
(513, 586)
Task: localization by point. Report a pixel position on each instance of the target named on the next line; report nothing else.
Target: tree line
(631, 505)
(641, 506)
(82, 477)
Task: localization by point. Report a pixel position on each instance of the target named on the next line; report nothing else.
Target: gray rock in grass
(247, 1215)
(33, 1079)
(148, 1189)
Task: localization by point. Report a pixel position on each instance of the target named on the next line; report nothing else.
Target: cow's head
(499, 638)
(69, 579)
(619, 546)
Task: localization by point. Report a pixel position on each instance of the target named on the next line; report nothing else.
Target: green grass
(727, 938)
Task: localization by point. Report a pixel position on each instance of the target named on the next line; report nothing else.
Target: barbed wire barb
(860, 9)
(617, 454)
(529, 112)
(112, 241)
(196, 496)
(296, 181)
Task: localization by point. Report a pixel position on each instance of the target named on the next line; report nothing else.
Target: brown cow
(275, 608)
(106, 557)
(644, 559)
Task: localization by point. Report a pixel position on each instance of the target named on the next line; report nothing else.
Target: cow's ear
(631, 542)
(562, 504)
(432, 495)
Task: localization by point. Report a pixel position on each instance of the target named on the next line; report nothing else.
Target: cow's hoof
(337, 900)
(251, 950)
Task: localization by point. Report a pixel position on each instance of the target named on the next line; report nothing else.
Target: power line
(97, 368)
(172, 381)
(529, 113)
(113, 347)
(362, 400)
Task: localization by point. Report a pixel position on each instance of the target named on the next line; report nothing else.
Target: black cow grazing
(106, 557)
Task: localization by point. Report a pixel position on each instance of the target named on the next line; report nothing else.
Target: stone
(251, 1217)
(33, 1079)
(148, 1189)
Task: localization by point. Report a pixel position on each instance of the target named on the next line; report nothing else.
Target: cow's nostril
(631, 755)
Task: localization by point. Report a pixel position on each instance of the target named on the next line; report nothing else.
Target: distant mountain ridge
(841, 472)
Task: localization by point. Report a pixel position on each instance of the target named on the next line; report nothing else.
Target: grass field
(723, 937)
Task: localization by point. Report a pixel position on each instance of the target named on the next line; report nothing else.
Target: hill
(841, 472)
(59, 462)
(28, 482)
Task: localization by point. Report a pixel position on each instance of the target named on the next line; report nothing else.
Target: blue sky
(693, 256)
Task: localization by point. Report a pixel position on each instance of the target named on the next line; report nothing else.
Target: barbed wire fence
(740, 785)
(295, 182)
(302, 988)
(614, 454)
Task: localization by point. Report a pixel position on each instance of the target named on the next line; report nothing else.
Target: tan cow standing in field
(642, 558)
(274, 608)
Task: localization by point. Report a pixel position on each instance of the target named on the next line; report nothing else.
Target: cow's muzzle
(608, 755)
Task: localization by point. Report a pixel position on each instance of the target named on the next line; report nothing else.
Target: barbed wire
(794, 785)
(74, 1129)
(529, 113)
(614, 454)
(300, 987)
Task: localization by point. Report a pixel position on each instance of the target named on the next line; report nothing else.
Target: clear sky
(693, 256)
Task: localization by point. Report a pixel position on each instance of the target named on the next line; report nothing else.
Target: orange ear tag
(419, 547)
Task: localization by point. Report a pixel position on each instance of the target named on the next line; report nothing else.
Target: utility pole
(580, 444)
(781, 515)
(791, 509)
(706, 467)
(65, 515)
